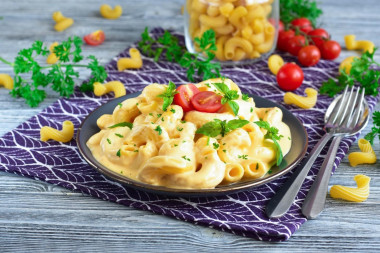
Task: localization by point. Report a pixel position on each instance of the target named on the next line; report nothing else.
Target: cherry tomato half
(303, 24)
(330, 50)
(309, 55)
(206, 101)
(185, 93)
(295, 44)
(290, 77)
(318, 36)
(95, 39)
(283, 38)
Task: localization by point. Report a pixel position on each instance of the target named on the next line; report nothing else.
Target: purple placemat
(21, 151)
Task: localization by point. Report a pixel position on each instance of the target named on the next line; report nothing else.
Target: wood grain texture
(40, 217)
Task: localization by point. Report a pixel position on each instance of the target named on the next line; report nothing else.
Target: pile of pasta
(242, 28)
(141, 141)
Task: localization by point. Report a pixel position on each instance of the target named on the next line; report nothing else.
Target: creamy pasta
(141, 141)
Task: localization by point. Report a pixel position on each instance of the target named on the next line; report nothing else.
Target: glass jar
(245, 30)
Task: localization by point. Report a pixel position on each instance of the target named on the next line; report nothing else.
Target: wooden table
(36, 216)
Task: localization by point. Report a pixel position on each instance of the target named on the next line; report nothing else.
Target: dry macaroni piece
(141, 141)
(6, 81)
(303, 102)
(52, 58)
(107, 12)
(367, 156)
(62, 22)
(275, 62)
(358, 194)
(352, 44)
(64, 135)
(133, 62)
(113, 86)
(346, 64)
(242, 28)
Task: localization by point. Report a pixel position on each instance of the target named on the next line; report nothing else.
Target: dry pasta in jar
(244, 29)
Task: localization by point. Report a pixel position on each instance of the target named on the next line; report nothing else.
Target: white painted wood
(39, 217)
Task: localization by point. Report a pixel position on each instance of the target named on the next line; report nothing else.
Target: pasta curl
(6, 81)
(133, 62)
(303, 102)
(352, 44)
(367, 156)
(62, 22)
(113, 86)
(358, 194)
(65, 135)
(107, 12)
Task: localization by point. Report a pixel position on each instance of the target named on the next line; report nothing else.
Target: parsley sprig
(292, 9)
(169, 45)
(31, 79)
(272, 134)
(375, 131)
(168, 95)
(228, 96)
(218, 127)
(360, 73)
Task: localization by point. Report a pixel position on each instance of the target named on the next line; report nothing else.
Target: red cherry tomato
(95, 39)
(185, 93)
(318, 36)
(295, 44)
(283, 38)
(206, 101)
(330, 50)
(290, 77)
(309, 55)
(303, 24)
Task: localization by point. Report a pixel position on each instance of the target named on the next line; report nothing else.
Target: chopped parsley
(162, 119)
(120, 105)
(158, 129)
(150, 114)
(257, 166)
(119, 135)
(244, 96)
(183, 121)
(216, 145)
(109, 141)
(118, 153)
(224, 150)
(172, 110)
(159, 115)
(122, 124)
(180, 128)
(187, 159)
(175, 145)
(136, 150)
(251, 109)
(244, 157)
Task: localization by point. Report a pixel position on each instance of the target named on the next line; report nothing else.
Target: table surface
(36, 216)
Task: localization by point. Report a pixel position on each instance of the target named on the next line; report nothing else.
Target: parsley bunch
(375, 131)
(229, 96)
(292, 9)
(168, 95)
(60, 75)
(360, 73)
(272, 134)
(218, 127)
(175, 52)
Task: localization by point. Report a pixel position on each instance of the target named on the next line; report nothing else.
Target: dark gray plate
(296, 153)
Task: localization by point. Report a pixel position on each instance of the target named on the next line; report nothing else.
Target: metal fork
(335, 126)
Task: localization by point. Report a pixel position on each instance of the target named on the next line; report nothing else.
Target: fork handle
(283, 199)
(316, 198)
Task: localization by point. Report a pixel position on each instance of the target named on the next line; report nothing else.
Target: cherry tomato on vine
(185, 93)
(95, 39)
(295, 44)
(303, 24)
(206, 101)
(319, 36)
(309, 55)
(330, 50)
(283, 38)
(290, 77)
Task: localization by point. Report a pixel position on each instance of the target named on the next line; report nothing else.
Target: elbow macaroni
(133, 62)
(107, 12)
(303, 102)
(352, 44)
(161, 149)
(113, 86)
(64, 135)
(62, 22)
(275, 62)
(6, 81)
(241, 27)
(52, 58)
(367, 154)
(358, 194)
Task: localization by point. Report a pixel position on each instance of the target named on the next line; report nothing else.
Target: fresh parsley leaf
(216, 145)
(109, 141)
(272, 134)
(172, 110)
(118, 153)
(158, 129)
(168, 95)
(187, 159)
(292, 9)
(375, 131)
(244, 157)
(119, 135)
(228, 96)
(122, 124)
(245, 97)
(218, 127)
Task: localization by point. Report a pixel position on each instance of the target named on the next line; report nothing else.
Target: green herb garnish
(292, 9)
(218, 127)
(120, 105)
(122, 124)
(158, 129)
(118, 153)
(272, 134)
(244, 157)
(187, 159)
(109, 141)
(168, 95)
(244, 96)
(172, 110)
(375, 131)
(228, 96)
(216, 145)
(119, 135)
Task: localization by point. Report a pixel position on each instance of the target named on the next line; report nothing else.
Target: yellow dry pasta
(64, 135)
(352, 44)
(6, 81)
(62, 22)
(367, 156)
(52, 58)
(113, 86)
(133, 62)
(346, 64)
(107, 12)
(303, 102)
(358, 194)
(275, 62)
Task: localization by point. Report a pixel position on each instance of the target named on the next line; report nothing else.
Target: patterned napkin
(21, 151)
